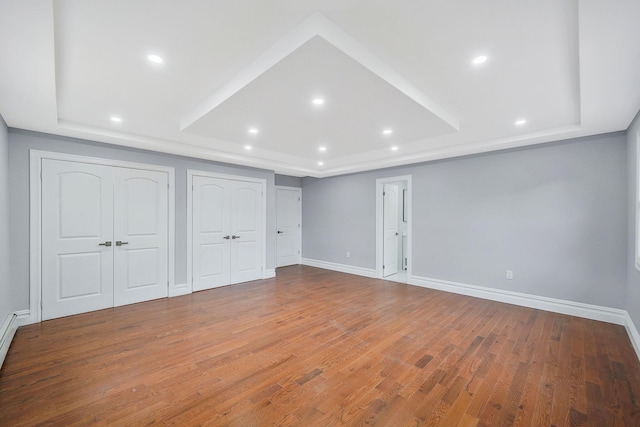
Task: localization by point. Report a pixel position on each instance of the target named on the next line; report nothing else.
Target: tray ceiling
(552, 70)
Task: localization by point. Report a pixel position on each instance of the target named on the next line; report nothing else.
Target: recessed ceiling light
(116, 119)
(387, 132)
(320, 163)
(155, 59)
(318, 101)
(520, 122)
(479, 60)
(322, 148)
(394, 148)
(253, 131)
(248, 147)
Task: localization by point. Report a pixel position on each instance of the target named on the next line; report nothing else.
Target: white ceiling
(570, 68)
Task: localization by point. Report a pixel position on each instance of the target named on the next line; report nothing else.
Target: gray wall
(20, 142)
(289, 181)
(338, 215)
(554, 214)
(633, 275)
(7, 304)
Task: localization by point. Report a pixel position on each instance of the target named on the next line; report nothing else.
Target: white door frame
(299, 190)
(190, 174)
(380, 225)
(35, 214)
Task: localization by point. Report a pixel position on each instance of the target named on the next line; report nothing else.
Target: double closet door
(104, 237)
(227, 231)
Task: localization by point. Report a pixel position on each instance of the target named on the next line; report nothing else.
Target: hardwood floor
(315, 347)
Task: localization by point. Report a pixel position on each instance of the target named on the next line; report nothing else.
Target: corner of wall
(634, 336)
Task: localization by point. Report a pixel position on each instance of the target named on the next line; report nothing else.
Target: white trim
(7, 331)
(179, 289)
(632, 331)
(343, 268)
(299, 190)
(297, 167)
(190, 174)
(35, 210)
(379, 222)
(269, 273)
(24, 316)
(588, 311)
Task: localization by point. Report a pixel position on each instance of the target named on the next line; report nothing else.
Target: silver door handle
(105, 244)
(235, 237)
(119, 243)
(227, 237)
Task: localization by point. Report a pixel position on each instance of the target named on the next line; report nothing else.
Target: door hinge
(298, 252)
(384, 194)
(298, 225)
(40, 175)
(167, 186)
(298, 198)
(383, 266)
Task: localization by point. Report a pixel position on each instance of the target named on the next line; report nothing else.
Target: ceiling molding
(568, 68)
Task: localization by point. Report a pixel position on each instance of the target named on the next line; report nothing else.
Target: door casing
(190, 174)
(380, 223)
(35, 216)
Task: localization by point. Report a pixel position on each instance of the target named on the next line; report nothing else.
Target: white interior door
(288, 226)
(77, 236)
(246, 231)
(390, 224)
(211, 233)
(140, 235)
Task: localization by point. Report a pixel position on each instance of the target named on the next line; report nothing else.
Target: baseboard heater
(6, 333)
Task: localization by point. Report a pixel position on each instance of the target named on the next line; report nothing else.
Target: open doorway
(393, 228)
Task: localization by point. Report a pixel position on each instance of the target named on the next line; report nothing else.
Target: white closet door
(211, 235)
(77, 233)
(288, 226)
(390, 229)
(140, 235)
(246, 231)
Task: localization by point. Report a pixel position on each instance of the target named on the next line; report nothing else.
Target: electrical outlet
(509, 275)
(348, 254)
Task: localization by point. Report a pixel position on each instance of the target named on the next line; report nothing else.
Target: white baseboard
(588, 311)
(179, 289)
(24, 317)
(634, 336)
(343, 268)
(7, 331)
(269, 273)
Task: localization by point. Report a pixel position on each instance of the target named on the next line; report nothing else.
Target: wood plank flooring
(319, 348)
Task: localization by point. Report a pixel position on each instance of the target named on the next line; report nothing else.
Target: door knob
(119, 243)
(227, 237)
(105, 244)
(280, 232)
(235, 237)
